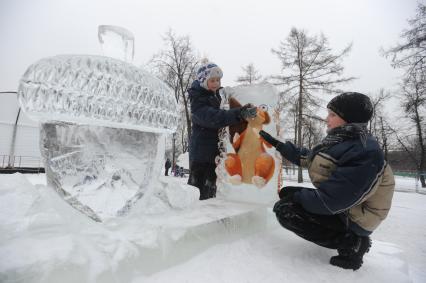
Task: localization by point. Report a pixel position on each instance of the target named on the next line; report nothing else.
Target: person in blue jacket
(207, 118)
(353, 184)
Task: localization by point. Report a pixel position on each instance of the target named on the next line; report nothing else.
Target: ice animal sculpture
(103, 123)
(250, 163)
(263, 95)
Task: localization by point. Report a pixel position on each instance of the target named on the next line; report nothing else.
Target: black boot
(212, 192)
(204, 193)
(352, 251)
(208, 190)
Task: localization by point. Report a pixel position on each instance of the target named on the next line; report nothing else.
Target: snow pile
(43, 239)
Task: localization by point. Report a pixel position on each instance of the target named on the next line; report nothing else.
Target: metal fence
(409, 182)
(20, 161)
(405, 181)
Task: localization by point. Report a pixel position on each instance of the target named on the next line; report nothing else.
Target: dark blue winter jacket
(349, 178)
(207, 118)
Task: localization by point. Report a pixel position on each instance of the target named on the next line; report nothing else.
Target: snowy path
(279, 256)
(398, 254)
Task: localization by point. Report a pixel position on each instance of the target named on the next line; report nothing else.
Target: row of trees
(410, 56)
(310, 70)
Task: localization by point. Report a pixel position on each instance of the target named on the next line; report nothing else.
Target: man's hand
(267, 137)
(288, 192)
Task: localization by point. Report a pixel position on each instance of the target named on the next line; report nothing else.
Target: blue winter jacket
(207, 118)
(349, 179)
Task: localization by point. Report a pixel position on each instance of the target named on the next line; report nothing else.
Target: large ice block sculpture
(103, 123)
(97, 90)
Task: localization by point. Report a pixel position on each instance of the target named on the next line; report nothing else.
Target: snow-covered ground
(42, 239)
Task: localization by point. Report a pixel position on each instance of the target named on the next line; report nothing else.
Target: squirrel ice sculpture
(250, 163)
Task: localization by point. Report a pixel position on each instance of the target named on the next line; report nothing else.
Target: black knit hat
(353, 107)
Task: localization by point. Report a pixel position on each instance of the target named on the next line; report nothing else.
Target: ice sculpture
(265, 96)
(116, 42)
(97, 90)
(102, 129)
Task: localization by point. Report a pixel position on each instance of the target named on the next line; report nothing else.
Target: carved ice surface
(117, 42)
(97, 90)
(103, 126)
(101, 171)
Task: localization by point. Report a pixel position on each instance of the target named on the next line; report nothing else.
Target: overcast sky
(231, 33)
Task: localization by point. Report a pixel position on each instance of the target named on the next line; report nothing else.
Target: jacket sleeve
(347, 185)
(292, 153)
(204, 115)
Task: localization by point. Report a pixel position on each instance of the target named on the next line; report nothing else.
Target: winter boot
(204, 192)
(351, 252)
(212, 193)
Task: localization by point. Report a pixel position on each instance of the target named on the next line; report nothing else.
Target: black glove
(287, 193)
(267, 137)
(248, 111)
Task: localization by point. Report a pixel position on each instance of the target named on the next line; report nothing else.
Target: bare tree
(308, 67)
(414, 103)
(176, 64)
(378, 125)
(251, 75)
(384, 134)
(411, 53)
(406, 143)
(183, 139)
(378, 104)
(313, 131)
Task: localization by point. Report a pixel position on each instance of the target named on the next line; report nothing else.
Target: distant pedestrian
(167, 166)
(177, 170)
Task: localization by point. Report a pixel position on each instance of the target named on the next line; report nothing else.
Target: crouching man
(353, 184)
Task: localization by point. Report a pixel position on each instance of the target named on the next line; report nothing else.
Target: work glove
(248, 111)
(287, 149)
(288, 192)
(267, 137)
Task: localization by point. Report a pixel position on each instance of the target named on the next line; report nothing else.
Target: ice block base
(185, 234)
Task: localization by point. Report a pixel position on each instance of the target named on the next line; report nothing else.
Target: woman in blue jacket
(207, 118)
(353, 184)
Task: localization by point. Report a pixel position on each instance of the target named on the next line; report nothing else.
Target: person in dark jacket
(353, 184)
(167, 166)
(207, 118)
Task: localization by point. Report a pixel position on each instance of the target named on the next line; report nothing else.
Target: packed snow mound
(43, 239)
